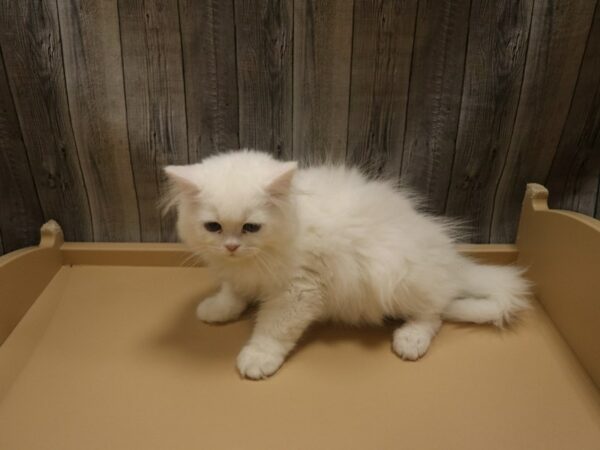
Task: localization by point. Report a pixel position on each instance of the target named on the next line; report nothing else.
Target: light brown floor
(113, 357)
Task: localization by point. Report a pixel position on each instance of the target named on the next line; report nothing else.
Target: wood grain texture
(20, 215)
(436, 84)
(382, 47)
(575, 171)
(322, 62)
(452, 96)
(94, 75)
(29, 34)
(559, 32)
(264, 31)
(597, 213)
(208, 39)
(155, 96)
(495, 61)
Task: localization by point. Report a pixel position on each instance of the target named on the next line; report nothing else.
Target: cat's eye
(213, 227)
(250, 227)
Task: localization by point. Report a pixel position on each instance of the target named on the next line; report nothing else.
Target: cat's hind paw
(410, 346)
(412, 340)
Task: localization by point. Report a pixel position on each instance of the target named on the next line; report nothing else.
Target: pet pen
(465, 102)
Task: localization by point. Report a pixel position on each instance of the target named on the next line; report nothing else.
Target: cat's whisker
(192, 259)
(186, 260)
(265, 265)
(269, 263)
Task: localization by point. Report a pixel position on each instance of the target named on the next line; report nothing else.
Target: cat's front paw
(410, 343)
(256, 363)
(220, 308)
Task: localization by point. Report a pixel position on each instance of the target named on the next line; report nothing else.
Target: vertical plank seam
(237, 74)
(350, 81)
(169, 136)
(237, 81)
(587, 41)
(345, 148)
(169, 132)
(597, 207)
(299, 50)
(462, 92)
(185, 107)
(512, 131)
(410, 69)
(14, 104)
(137, 200)
(213, 76)
(220, 119)
(83, 180)
(293, 58)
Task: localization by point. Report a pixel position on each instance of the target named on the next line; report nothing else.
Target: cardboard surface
(113, 357)
(562, 252)
(103, 351)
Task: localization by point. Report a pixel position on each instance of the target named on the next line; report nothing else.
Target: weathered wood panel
(20, 215)
(436, 84)
(29, 33)
(451, 96)
(495, 62)
(381, 62)
(597, 213)
(559, 31)
(264, 31)
(208, 39)
(94, 75)
(322, 61)
(575, 172)
(155, 96)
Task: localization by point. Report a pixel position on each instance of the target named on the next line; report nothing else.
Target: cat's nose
(232, 247)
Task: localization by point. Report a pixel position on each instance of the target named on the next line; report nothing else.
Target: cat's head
(233, 206)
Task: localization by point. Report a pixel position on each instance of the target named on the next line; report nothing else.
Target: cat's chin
(234, 259)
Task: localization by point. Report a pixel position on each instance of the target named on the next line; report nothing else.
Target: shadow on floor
(185, 338)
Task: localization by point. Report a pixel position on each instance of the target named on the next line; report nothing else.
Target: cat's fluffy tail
(492, 294)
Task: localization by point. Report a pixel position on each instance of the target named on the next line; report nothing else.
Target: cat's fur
(333, 245)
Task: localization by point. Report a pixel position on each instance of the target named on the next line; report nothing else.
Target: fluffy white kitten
(327, 243)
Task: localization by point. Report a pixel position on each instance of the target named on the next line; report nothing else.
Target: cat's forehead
(235, 185)
(231, 204)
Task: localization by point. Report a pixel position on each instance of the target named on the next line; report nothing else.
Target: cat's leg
(223, 306)
(280, 323)
(412, 339)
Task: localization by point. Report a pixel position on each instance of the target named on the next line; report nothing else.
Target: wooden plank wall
(465, 101)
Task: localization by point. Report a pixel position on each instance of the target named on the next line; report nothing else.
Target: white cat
(326, 243)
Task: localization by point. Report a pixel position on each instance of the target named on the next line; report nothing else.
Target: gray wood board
(496, 53)
(436, 85)
(21, 215)
(94, 75)
(208, 40)
(575, 171)
(382, 50)
(322, 62)
(264, 32)
(30, 37)
(559, 32)
(155, 95)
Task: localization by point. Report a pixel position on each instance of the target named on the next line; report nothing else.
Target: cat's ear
(281, 184)
(182, 179)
